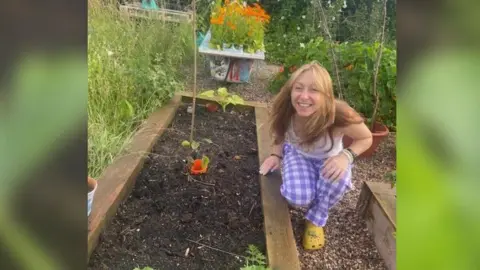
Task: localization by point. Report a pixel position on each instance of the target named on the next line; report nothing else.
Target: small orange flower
(349, 67)
(197, 167)
(231, 25)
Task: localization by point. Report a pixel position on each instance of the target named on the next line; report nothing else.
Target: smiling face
(306, 96)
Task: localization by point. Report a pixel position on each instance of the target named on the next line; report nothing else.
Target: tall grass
(134, 67)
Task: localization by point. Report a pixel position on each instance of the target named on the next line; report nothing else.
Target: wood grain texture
(281, 247)
(118, 179)
(377, 205)
(249, 105)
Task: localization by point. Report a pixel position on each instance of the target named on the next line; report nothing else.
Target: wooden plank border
(281, 246)
(118, 179)
(249, 105)
(377, 206)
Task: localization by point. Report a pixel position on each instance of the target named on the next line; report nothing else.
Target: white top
(317, 150)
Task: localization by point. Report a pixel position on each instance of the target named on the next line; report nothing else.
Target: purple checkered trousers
(303, 185)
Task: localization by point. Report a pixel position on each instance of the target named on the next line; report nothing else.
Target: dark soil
(168, 207)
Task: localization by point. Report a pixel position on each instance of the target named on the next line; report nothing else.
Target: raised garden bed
(170, 213)
(377, 205)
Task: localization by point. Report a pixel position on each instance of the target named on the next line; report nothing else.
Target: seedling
(255, 260)
(194, 145)
(199, 166)
(223, 97)
(145, 268)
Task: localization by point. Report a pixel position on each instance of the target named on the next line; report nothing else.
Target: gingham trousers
(303, 185)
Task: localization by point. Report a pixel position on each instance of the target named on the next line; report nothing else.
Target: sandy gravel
(349, 245)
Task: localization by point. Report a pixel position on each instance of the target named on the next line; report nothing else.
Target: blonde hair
(332, 112)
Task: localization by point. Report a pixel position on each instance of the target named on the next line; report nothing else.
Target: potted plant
(92, 187)
(235, 26)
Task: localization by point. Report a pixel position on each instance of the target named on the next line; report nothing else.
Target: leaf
(195, 145)
(186, 143)
(207, 140)
(223, 92)
(129, 111)
(390, 84)
(236, 99)
(208, 93)
(362, 85)
(205, 161)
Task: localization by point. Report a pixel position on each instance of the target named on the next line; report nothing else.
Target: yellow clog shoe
(313, 237)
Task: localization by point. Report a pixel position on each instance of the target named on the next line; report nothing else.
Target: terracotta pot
(379, 133)
(92, 187)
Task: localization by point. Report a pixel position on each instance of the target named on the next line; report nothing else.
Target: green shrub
(356, 63)
(133, 68)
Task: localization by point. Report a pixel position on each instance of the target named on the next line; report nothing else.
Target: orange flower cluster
(236, 8)
(258, 12)
(236, 24)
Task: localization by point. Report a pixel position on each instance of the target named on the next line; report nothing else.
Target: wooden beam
(118, 179)
(377, 205)
(248, 105)
(281, 247)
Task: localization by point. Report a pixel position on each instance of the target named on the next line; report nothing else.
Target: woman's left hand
(335, 167)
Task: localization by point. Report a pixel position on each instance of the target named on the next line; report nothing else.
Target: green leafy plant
(194, 145)
(223, 97)
(134, 67)
(392, 177)
(255, 260)
(294, 22)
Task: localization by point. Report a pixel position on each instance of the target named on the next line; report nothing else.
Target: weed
(255, 260)
(133, 69)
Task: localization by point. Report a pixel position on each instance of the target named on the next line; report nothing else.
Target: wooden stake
(194, 19)
(377, 65)
(332, 50)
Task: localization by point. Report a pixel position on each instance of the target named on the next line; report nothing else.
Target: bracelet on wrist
(354, 155)
(349, 156)
(275, 155)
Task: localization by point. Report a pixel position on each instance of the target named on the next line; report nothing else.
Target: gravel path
(349, 245)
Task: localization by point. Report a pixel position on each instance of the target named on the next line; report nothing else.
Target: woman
(308, 125)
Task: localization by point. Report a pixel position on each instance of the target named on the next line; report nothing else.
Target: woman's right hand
(269, 165)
